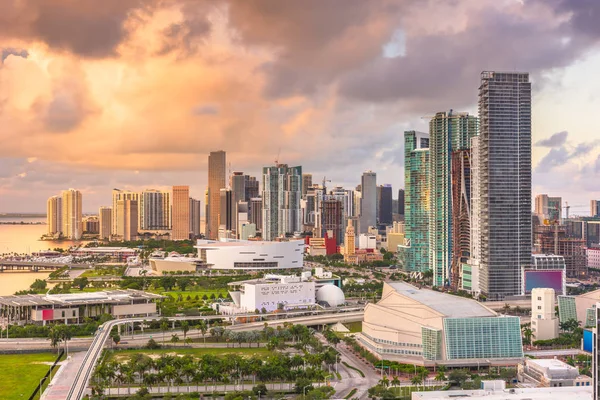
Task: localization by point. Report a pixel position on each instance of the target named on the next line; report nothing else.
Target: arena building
(426, 327)
(75, 307)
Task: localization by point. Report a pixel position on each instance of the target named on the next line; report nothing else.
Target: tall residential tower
(217, 171)
(282, 191)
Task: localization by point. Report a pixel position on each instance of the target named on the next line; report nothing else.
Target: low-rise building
(73, 308)
(551, 373)
(544, 324)
(119, 254)
(547, 393)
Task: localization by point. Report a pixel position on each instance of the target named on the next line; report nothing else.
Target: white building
(550, 393)
(367, 241)
(551, 373)
(544, 323)
(593, 257)
(252, 255)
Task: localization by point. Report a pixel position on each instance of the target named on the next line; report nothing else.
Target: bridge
(84, 373)
(34, 266)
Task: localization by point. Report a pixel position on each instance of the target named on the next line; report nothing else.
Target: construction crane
(568, 207)
(324, 181)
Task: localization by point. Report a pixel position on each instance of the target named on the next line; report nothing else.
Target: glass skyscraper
(504, 168)
(282, 191)
(415, 254)
(449, 133)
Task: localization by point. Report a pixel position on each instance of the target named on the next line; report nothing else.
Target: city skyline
(97, 111)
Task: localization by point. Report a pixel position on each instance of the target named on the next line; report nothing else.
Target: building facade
(54, 215)
(118, 195)
(414, 255)
(544, 324)
(105, 215)
(195, 217)
(255, 211)
(548, 208)
(332, 219)
(384, 216)
(282, 191)
(154, 210)
(504, 181)
(127, 219)
(368, 204)
(216, 181)
(306, 183)
(180, 215)
(71, 214)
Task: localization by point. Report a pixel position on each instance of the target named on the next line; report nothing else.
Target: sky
(134, 94)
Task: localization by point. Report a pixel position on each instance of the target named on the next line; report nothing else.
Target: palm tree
(527, 334)
(416, 380)
(164, 326)
(202, 328)
(185, 327)
(174, 339)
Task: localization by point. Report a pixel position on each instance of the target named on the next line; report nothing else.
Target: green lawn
(192, 292)
(121, 355)
(21, 373)
(354, 326)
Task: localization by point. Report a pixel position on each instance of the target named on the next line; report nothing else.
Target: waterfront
(24, 239)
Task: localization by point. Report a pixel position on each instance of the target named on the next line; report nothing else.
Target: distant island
(22, 223)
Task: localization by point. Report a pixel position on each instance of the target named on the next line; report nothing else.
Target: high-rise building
(595, 208)
(255, 211)
(504, 181)
(71, 214)
(332, 218)
(414, 255)
(54, 215)
(461, 213)
(154, 210)
(282, 190)
(400, 210)
(237, 183)
(181, 213)
(117, 195)
(448, 132)
(127, 219)
(226, 212)
(252, 189)
(385, 204)
(306, 183)
(90, 224)
(548, 208)
(350, 239)
(368, 207)
(106, 220)
(195, 217)
(216, 181)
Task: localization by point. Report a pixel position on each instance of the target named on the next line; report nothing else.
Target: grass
(355, 369)
(352, 393)
(121, 355)
(354, 327)
(21, 373)
(193, 292)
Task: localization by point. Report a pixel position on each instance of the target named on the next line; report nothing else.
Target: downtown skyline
(98, 114)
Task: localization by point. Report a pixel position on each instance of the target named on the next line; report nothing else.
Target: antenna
(277, 158)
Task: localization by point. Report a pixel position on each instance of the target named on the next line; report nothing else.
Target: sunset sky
(134, 94)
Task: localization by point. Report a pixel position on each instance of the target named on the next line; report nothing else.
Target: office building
(306, 183)
(251, 188)
(368, 204)
(544, 324)
(385, 204)
(154, 210)
(282, 190)
(127, 219)
(414, 255)
(71, 214)
(118, 195)
(595, 208)
(247, 231)
(105, 215)
(255, 210)
(450, 136)
(54, 216)
(504, 181)
(400, 210)
(195, 217)
(427, 327)
(216, 181)
(555, 240)
(181, 213)
(567, 308)
(332, 219)
(226, 212)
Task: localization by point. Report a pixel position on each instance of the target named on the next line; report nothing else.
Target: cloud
(556, 157)
(205, 109)
(556, 140)
(11, 51)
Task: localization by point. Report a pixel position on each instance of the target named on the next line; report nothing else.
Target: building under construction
(332, 219)
(461, 212)
(553, 239)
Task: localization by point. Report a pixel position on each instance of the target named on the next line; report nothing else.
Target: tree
(303, 385)
(416, 380)
(183, 283)
(116, 338)
(39, 285)
(81, 283)
(167, 282)
(527, 334)
(458, 376)
(185, 327)
(203, 328)
(152, 344)
(54, 337)
(164, 326)
(260, 389)
(175, 339)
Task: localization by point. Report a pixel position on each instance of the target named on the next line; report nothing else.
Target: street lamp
(304, 390)
(336, 363)
(40, 388)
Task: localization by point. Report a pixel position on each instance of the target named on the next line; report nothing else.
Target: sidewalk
(125, 392)
(63, 379)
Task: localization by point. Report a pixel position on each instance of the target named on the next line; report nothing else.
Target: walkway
(65, 377)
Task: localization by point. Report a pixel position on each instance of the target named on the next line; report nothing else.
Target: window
(73, 313)
(539, 307)
(539, 298)
(63, 314)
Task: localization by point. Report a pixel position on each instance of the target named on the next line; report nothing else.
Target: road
(78, 389)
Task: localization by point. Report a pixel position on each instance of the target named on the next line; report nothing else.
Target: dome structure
(331, 294)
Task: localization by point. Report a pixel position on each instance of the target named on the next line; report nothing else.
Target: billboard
(551, 279)
(588, 340)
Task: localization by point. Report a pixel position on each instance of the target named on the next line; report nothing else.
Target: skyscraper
(154, 210)
(332, 218)
(216, 181)
(401, 203)
(226, 212)
(71, 214)
(256, 212)
(282, 190)
(251, 188)
(368, 205)
(117, 195)
(414, 256)
(448, 132)
(181, 213)
(105, 215)
(54, 215)
(385, 204)
(127, 219)
(549, 208)
(504, 182)
(195, 217)
(306, 183)
(594, 208)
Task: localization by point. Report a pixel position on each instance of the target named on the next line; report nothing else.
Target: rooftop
(104, 297)
(551, 363)
(203, 244)
(446, 304)
(545, 393)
